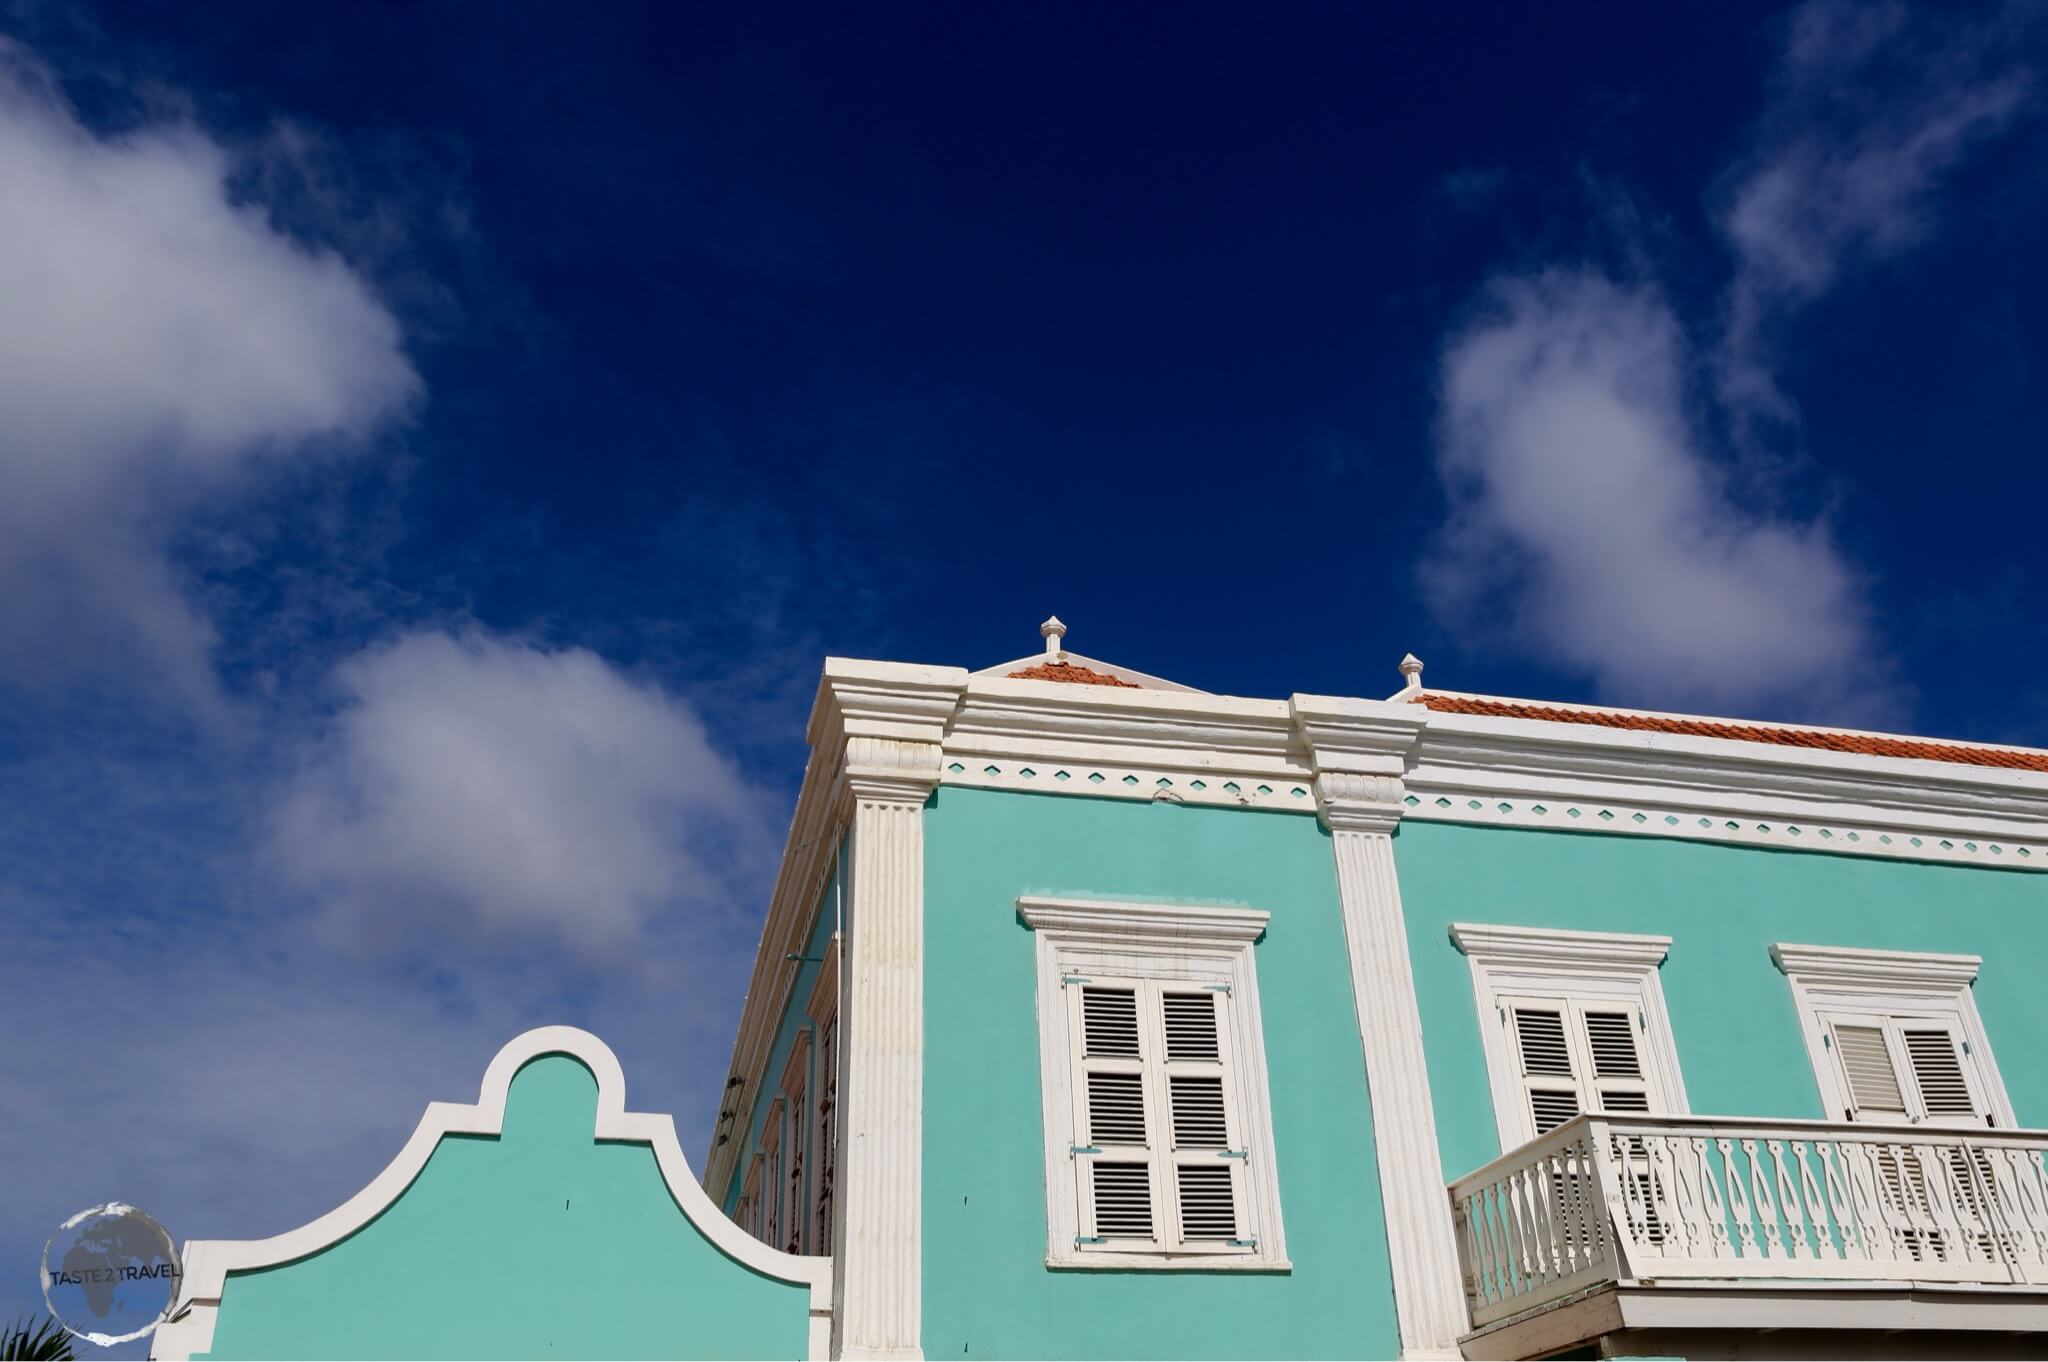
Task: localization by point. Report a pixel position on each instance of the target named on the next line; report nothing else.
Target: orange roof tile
(1072, 675)
(1868, 744)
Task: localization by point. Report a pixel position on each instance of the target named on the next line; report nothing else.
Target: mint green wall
(794, 1021)
(1738, 1037)
(537, 1243)
(987, 1292)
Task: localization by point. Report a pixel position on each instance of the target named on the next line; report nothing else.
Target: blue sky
(441, 444)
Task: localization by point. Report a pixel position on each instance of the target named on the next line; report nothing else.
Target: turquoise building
(1097, 1016)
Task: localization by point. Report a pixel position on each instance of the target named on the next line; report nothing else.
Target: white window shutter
(1870, 1075)
(824, 1153)
(1160, 1156)
(1943, 1075)
(1114, 1115)
(1208, 1157)
(1543, 1053)
(1613, 1065)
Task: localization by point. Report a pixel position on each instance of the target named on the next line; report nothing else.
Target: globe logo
(110, 1274)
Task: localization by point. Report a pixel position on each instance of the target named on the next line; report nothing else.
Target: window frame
(1586, 969)
(796, 1140)
(1166, 945)
(823, 1010)
(1830, 982)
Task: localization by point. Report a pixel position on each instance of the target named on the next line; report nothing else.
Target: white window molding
(1151, 953)
(1876, 991)
(796, 1073)
(1557, 993)
(823, 1009)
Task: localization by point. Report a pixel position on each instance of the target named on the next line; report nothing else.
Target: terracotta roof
(1072, 675)
(1868, 744)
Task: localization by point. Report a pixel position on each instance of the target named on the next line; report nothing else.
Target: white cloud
(1871, 106)
(159, 344)
(1587, 516)
(1592, 518)
(479, 785)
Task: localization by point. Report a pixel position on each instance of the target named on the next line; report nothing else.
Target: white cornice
(1360, 751)
(1186, 924)
(1132, 744)
(1822, 966)
(892, 710)
(1497, 945)
(209, 1261)
(1533, 774)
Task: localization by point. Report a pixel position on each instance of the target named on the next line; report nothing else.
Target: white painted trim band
(209, 1261)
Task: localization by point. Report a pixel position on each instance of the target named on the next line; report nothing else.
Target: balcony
(1652, 1230)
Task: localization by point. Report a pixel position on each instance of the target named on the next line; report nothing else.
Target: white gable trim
(209, 1261)
(1143, 680)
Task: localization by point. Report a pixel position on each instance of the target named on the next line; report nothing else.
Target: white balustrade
(1652, 1198)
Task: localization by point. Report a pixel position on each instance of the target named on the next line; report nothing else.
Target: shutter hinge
(1827, 1042)
(1503, 1015)
(1219, 988)
(1233, 1153)
(1083, 1149)
(1242, 1243)
(1966, 1047)
(1089, 1239)
(1066, 979)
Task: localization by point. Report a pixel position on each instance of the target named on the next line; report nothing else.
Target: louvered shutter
(825, 1153)
(1576, 1056)
(1900, 1069)
(1905, 1068)
(799, 1136)
(1207, 1154)
(1937, 1059)
(1614, 1063)
(1870, 1076)
(1160, 1159)
(1544, 1054)
(1113, 1114)
(771, 1176)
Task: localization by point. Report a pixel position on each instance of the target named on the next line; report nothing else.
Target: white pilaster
(1359, 748)
(892, 719)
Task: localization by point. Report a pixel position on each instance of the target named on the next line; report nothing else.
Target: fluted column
(878, 1253)
(1360, 749)
(1429, 1297)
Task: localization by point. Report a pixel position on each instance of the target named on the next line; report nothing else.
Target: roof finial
(1411, 670)
(1055, 634)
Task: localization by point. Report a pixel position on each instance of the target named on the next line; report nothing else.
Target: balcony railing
(1641, 1199)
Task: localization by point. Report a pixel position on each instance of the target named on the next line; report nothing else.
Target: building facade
(1095, 1016)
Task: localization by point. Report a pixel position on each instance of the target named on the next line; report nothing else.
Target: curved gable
(543, 1220)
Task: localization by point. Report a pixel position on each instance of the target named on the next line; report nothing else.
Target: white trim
(1889, 983)
(879, 1216)
(1170, 942)
(1535, 947)
(855, 699)
(1143, 924)
(209, 1261)
(1584, 778)
(1359, 749)
(1108, 742)
(1567, 966)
